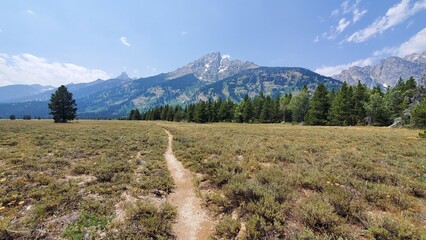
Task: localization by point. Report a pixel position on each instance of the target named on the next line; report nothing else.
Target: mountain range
(212, 76)
(388, 71)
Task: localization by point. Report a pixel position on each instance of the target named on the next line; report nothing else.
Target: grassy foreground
(298, 182)
(108, 180)
(91, 179)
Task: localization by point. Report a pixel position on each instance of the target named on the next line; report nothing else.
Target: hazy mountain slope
(80, 90)
(386, 72)
(143, 93)
(270, 80)
(33, 108)
(11, 92)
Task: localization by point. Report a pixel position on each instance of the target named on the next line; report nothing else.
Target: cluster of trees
(25, 117)
(349, 105)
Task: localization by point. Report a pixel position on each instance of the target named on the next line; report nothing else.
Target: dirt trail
(192, 220)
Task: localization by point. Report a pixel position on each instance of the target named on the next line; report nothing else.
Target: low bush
(319, 215)
(227, 228)
(144, 219)
(87, 226)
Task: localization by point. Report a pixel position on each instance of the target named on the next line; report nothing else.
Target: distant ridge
(388, 71)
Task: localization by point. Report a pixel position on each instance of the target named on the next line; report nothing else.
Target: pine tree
(247, 109)
(377, 110)
(266, 111)
(318, 107)
(276, 112)
(419, 115)
(258, 105)
(285, 107)
(190, 113)
(341, 111)
(200, 112)
(136, 115)
(62, 105)
(131, 115)
(360, 98)
(299, 105)
(164, 112)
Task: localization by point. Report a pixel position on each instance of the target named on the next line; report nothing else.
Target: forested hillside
(348, 106)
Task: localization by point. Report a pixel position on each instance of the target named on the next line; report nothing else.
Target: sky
(53, 42)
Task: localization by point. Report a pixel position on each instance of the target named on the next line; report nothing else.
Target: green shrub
(418, 115)
(256, 228)
(144, 219)
(318, 214)
(86, 226)
(227, 228)
(392, 228)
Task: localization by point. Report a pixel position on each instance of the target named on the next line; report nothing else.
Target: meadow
(298, 182)
(86, 179)
(108, 179)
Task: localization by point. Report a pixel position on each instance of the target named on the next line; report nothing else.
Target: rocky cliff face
(387, 72)
(212, 67)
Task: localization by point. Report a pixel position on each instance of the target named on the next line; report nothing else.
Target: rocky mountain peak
(123, 76)
(387, 71)
(417, 57)
(212, 67)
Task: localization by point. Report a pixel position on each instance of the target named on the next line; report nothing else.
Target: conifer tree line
(347, 106)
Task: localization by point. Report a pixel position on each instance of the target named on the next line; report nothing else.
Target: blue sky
(54, 42)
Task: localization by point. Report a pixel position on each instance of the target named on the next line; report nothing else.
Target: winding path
(192, 221)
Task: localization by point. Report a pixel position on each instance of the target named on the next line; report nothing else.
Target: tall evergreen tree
(361, 96)
(299, 105)
(377, 110)
(318, 107)
(62, 105)
(200, 112)
(266, 111)
(136, 115)
(341, 111)
(258, 105)
(285, 107)
(247, 113)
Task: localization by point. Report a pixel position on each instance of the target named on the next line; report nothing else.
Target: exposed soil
(192, 221)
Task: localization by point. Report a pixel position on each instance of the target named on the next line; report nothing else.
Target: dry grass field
(91, 179)
(109, 180)
(299, 182)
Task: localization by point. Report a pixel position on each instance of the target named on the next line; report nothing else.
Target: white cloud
(386, 51)
(30, 69)
(226, 56)
(349, 14)
(342, 25)
(316, 39)
(394, 16)
(416, 43)
(346, 7)
(357, 14)
(124, 41)
(31, 12)
(335, 12)
(333, 70)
